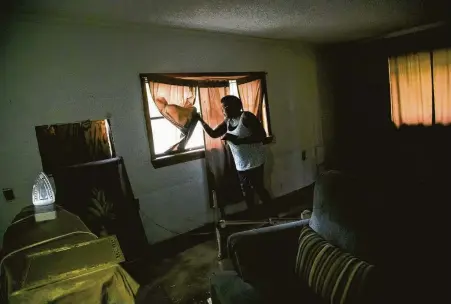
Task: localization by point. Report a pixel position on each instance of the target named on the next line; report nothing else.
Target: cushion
(342, 212)
(334, 275)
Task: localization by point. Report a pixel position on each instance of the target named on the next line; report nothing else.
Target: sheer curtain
(221, 172)
(442, 86)
(176, 104)
(411, 89)
(251, 94)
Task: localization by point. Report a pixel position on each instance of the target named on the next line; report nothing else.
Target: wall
(409, 168)
(355, 96)
(357, 99)
(56, 71)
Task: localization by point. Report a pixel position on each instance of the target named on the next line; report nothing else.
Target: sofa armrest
(264, 252)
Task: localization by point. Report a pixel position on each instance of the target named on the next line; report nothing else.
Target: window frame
(172, 158)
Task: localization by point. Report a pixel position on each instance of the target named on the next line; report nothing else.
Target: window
(163, 134)
(420, 88)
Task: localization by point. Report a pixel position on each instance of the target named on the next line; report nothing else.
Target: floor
(184, 278)
(179, 272)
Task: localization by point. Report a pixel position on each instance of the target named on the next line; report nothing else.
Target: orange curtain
(411, 89)
(176, 104)
(212, 114)
(251, 94)
(442, 86)
(221, 171)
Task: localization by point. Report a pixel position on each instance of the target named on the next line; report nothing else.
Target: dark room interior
(225, 152)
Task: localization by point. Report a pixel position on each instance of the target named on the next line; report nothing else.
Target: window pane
(233, 88)
(108, 131)
(196, 101)
(265, 116)
(197, 139)
(153, 110)
(164, 135)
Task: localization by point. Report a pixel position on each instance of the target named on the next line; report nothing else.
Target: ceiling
(319, 21)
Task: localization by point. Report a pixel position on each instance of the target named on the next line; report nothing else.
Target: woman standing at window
(244, 134)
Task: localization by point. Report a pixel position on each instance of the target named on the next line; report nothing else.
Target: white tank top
(246, 156)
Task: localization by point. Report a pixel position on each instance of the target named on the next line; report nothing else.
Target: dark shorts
(252, 178)
(251, 181)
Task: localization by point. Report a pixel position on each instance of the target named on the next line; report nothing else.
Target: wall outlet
(8, 193)
(304, 155)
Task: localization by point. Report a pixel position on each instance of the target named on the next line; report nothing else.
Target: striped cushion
(336, 276)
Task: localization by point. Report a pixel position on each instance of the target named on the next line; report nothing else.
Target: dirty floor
(183, 278)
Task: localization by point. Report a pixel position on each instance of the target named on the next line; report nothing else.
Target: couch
(61, 261)
(264, 260)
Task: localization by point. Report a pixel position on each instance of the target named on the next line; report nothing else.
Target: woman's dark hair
(232, 101)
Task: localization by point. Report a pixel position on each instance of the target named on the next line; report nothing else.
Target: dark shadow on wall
(269, 168)
(355, 96)
(409, 167)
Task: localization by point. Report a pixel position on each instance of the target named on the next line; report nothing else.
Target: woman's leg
(246, 186)
(257, 181)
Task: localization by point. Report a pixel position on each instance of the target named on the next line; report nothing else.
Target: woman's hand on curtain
(216, 132)
(196, 115)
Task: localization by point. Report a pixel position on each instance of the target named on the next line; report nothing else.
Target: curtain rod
(213, 74)
(177, 79)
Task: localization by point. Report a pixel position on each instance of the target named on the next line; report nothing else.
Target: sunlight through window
(176, 96)
(165, 134)
(234, 88)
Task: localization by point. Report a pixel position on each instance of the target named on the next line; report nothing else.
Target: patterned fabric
(85, 270)
(246, 156)
(336, 276)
